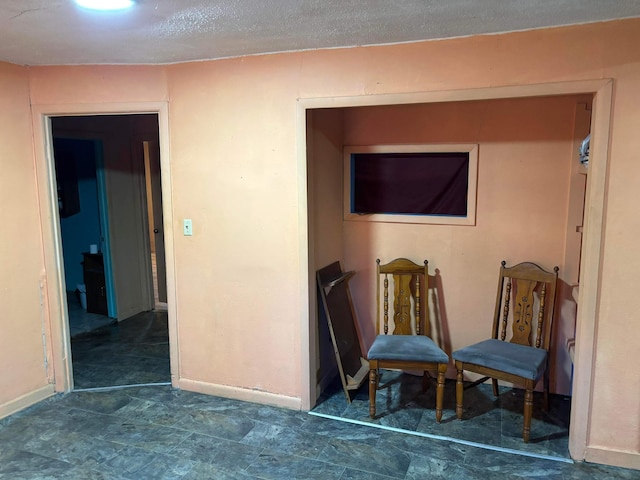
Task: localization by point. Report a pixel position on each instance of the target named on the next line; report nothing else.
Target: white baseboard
(617, 458)
(26, 400)
(237, 393)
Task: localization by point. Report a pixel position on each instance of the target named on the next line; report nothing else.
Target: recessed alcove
(528, 187)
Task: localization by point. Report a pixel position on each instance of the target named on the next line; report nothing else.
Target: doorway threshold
(120, 387)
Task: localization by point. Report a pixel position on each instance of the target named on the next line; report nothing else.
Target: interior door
(152, 159)
(125, 182)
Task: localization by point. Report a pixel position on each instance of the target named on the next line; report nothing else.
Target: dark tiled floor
(130, 352)
(497, 422)
(156, 432)
(81, 321)
(159, 433)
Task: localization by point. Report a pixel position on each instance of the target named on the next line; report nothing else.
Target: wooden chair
(408, 347)
(522, 360)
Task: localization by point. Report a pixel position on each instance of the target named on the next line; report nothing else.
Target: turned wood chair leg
(373, 387)
(459, 393)
(546, 391)
(440, 391)
(528, 411)
(494, 384)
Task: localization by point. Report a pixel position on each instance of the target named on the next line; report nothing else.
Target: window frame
(472, 182)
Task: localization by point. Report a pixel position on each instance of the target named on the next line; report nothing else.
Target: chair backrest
(526, 300)
(410, 286)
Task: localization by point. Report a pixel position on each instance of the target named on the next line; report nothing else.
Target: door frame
(56, 315)
(591, 254)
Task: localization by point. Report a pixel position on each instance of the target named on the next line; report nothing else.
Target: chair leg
(528, 411)
(494, 384)
(425, 380)
(459, 393)
(546, 391)
(373, 387)
(442, 369)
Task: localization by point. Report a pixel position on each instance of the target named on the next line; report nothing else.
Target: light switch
(187, 227)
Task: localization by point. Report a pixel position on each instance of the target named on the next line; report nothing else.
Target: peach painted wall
(233, 153)
(22, 351)
(325, 140)
(66, 86)
(238, 275)
(616, 382)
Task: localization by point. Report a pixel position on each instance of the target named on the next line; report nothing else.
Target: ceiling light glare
(106, 4)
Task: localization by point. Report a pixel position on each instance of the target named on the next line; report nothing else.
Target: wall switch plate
(187, 227)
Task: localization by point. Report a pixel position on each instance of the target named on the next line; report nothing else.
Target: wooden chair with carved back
(404, 343)
(524, 358)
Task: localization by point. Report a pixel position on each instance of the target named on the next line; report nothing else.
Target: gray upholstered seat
(520, 360)
(417, 348)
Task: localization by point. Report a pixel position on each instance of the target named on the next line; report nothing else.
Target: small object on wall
(93, 248)
(187, 226)
(584, 151)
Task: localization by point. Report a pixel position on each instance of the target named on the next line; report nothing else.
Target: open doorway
(514, 223)
(327, 241)
(109, 194)
(77, 162)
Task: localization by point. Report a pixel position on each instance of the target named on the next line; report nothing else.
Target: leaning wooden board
(333, 285)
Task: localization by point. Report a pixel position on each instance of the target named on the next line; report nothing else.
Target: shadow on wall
(440, 331)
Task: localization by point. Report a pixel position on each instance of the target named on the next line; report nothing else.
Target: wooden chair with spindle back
(406, 346)
(524, 359)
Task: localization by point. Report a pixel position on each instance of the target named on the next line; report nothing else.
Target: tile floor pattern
(81, 321)
(130, 352)
(157, 432)
(401, 403)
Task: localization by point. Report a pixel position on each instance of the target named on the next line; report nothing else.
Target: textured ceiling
(57, 32)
